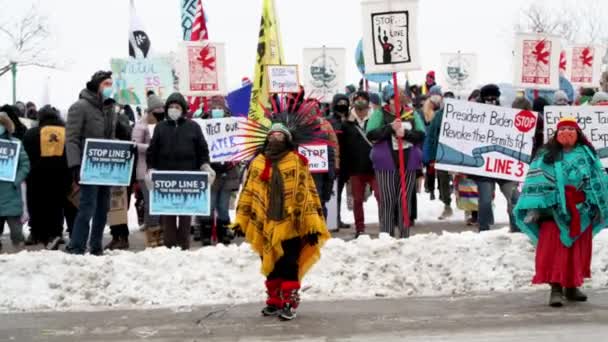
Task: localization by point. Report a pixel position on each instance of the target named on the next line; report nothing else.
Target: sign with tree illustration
(107, 162)
(389, 35)
(181, 193)
(537, 61)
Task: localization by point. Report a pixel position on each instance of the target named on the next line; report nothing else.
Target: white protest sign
(592, 120)
(318, 157)
(283, 79)
(202, 68)
(222, 137)
(459, 72)
(390, 41)
(536, 61)
(485, 140)
(324, 72)
(585, 67)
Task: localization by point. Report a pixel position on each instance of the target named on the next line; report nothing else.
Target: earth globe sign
(458, 71)
(323, 70)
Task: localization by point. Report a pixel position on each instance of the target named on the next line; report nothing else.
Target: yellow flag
(270, 51)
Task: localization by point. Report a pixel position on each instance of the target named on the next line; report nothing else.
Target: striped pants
(389, 184)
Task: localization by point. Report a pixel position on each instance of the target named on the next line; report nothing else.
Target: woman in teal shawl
(564, 203)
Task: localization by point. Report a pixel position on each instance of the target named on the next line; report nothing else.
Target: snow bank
(424, 265)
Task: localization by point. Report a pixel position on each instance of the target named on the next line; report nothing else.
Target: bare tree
(24, 41)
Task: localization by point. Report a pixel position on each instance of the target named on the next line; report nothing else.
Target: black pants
(46, 210)
(286, 268)
(122, 230)
(445, 195)
(342, 180)
(69, 213)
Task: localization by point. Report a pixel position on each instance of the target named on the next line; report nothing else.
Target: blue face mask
(107, 93)
(217, 113)
(2, 130)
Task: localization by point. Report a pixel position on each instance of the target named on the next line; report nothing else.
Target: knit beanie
(155, 102)
(560, 98)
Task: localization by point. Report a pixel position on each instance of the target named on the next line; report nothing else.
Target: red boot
(291, 300)
(274, 302)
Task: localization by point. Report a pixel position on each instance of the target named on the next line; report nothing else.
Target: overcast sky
(88, 33)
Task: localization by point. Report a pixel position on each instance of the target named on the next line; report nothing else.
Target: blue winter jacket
(10, 192)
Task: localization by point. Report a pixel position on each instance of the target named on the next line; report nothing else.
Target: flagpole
(404, 210)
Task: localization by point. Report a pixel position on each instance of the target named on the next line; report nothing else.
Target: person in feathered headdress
(279, 210)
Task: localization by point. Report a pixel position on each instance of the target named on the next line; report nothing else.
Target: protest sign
(119, 207)
(324, 72)
(283, 79)
(585, 67)
(536, 61)
(318, 157)
(9, 159)
(484, 140)
(459, 72)
(222, 136)
(202, 68)
(593, 121)
(107, 162)
(180, 193)
(390, 41)
(133, 78)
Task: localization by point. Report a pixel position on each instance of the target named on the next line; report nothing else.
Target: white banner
(324, 72)
(485, 140)
(585, 67)
(222, 137)
(202, 68)
(390, 42)
(318, 157)
(536, 61)
(458, 72)
(283, 79)
(592, 120)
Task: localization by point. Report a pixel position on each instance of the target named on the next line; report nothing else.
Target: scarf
(275, 151)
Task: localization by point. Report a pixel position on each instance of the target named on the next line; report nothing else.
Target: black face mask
(159, 116)
(342, 109)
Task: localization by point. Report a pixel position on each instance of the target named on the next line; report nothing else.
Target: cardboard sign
(324, 72)
(390, 35)
(318, 157)
(119, 207)
(585, 67)
(107, 162)
(9, 159)
(536, 63)
(593, 121)
(222, 137)
(202, 68)
(133, 78)
(283, 79)
(459, 72)
(180, 193)
(485, 140)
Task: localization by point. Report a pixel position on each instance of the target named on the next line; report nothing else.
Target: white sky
(88, 33)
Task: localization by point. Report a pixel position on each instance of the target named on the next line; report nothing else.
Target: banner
(222, 136)
(9, 159)
(593, 121)
(133, 78)
(202, 69)
(324, 72)
(484, 140)
(107, 162)
(188, 11)
(269, 51)
(238, 101)
(458, 72)
(318, 157)
(390, 41)
(585, 67)
(283, 79)
(139, 41)
(180, 193)
(536, 61)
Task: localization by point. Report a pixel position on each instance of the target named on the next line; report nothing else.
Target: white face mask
(174, 113)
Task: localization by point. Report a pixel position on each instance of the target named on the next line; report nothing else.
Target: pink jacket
(142, 137)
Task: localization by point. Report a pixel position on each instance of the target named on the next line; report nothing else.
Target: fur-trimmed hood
(6, 121)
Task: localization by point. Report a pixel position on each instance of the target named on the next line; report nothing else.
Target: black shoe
(343, 225)
(287, 314)
(271, 311)
(433, 196)
(556, 299)
(575, 295)
(206, 242)
(97, 253)
(112, 245)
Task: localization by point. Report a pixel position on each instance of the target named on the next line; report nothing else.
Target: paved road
(492, 318)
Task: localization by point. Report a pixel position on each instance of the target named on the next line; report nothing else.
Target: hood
(91, 97)
(179, 99)
(49, 116)
(7, 123)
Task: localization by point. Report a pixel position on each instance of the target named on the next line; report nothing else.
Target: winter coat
(141, 136)
(356, 158)
(87, 119)
(431, 140)
(177, 146)
(11, 203)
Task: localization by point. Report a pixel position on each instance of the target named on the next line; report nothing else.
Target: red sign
(525, 121)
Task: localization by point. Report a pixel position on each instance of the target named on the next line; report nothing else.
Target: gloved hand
(75, 170)
(312, 239)
(207, 168)
(148, 180)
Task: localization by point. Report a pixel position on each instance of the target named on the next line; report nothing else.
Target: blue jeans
(220, 201)
(94, 204)
(486, 189)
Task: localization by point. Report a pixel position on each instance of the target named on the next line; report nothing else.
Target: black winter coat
(177, 146)
(356, 158)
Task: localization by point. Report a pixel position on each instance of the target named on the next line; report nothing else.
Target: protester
(324, 181)
(14, 113)
(142, 137)
(564, 204)
(88, 119)
(429, 82)
(49, 181)
(560, 98)
(177, 145)
(383, 129)
(289, 244)
(339, 112)
(31, 111)
(356, 156)
(20, 106)
(11, 203)
(586, 94)
(375, 102)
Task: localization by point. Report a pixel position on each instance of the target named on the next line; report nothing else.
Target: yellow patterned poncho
(302, 206)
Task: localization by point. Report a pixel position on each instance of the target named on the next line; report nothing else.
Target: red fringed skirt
(558, 264)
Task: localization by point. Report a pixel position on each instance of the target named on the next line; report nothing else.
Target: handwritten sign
(133, 78)
(180, 193)
(485, 140)
(224, 138)
(536, 61)
(107, 162)
(283, 79)
(318, 157)
(9, 159)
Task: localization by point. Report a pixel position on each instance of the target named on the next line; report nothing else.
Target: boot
(291, 300)
(112, 244)
(274, 302)
(152, 236)
(447, 212)
(160, 237)
(556, 299)
(575, 295)
(123, 243)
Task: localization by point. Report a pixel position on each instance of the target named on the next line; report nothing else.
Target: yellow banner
(270, 51)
